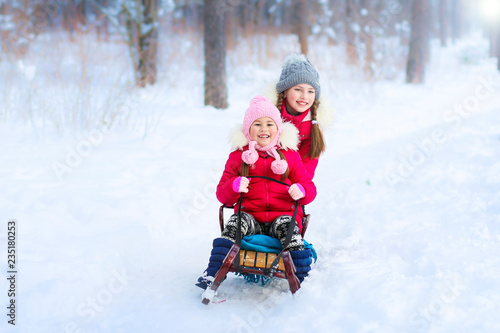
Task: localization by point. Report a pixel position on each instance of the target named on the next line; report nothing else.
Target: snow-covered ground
(115, 225)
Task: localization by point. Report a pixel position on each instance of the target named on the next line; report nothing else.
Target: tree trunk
(301, 22)
(367, 38)
(415, 69)
(492, 38)
(495, 43)
(102, 25)
(66, 23)
(352, 53)
(148, 44)
(443, 22)
(456, 19)
(231, 30)
(215, 54)
(4, 33)
(246, 21)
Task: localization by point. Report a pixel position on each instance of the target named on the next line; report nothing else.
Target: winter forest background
(114, 118)
(378, 40)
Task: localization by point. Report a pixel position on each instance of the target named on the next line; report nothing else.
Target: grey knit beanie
(296, 70)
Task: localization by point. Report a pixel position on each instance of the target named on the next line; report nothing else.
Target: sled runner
(253, 262)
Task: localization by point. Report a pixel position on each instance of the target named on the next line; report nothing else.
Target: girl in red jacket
(263, 147)
(298, 99)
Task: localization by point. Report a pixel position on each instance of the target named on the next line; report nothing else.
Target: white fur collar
(325, 112)
(289, 138)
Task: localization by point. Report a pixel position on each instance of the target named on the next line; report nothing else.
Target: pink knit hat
(259, 107)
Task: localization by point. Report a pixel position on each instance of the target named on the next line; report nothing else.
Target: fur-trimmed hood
(289, 138)
(324, 114)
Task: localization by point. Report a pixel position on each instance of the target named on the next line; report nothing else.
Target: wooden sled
(258, 263)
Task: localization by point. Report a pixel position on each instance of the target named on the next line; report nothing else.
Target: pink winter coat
(266, 200)
(303, 123)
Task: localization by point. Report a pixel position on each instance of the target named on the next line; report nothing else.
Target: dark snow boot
(302, 261)
(221, 247)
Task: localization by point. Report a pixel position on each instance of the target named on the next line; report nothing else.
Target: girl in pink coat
(263, 146)
(298, 100)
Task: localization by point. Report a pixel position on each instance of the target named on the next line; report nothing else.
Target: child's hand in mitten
(296, 191)
(240, 184)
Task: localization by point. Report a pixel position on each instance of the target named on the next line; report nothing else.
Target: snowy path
(406, 223)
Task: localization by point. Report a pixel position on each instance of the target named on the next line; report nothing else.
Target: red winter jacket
(266, 200)
(303, 123)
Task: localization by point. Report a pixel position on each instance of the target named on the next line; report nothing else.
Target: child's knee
(281, 224)
(248, 226)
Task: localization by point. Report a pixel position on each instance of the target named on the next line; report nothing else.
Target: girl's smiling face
(299, 98)
(263, 130)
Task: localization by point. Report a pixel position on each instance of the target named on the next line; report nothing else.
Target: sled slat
(261, 260)
(250, 258)
(270, 259)
(242, 257)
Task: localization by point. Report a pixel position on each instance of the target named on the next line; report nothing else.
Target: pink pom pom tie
(278, 166)
(250, 156)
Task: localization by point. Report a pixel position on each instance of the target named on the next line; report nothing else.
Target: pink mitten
(296, 191)
(240, 184)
